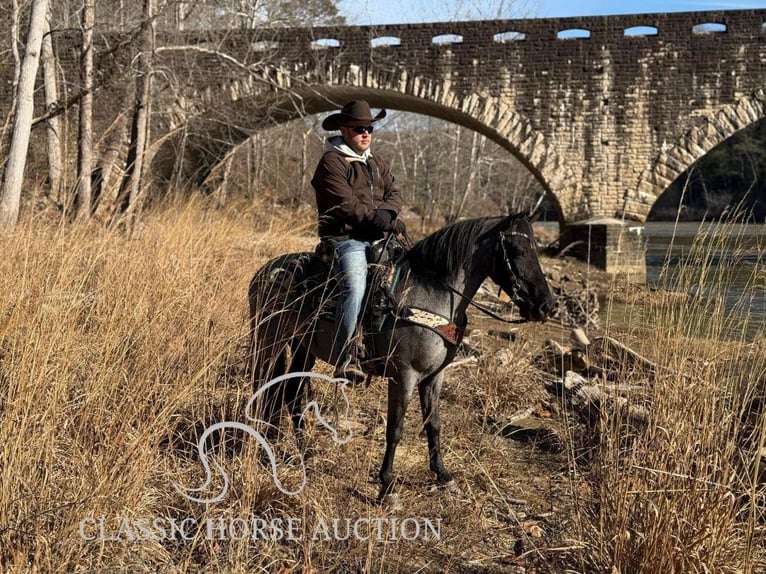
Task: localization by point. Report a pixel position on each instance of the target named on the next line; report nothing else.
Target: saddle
(380, 301)
(382, 256)
(309, 275)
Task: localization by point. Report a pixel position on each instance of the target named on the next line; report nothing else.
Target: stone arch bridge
(605, 111)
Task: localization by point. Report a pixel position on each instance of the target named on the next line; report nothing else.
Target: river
(712, 260)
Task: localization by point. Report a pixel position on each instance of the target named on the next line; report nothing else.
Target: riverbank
(117, 351)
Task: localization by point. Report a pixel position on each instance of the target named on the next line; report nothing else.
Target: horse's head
(516, 267)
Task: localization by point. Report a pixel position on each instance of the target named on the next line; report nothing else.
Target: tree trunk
(83, 203)
(139, 133)
(258, 156)
(53, 125)
(476, 151)
(107, 175)
(451, 215)
(15, 42)
(180, 13)
(10, 194)
(305, 173)
(221, 190)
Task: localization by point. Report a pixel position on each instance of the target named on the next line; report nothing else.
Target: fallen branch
(557, 360)
(591, 400)
(465, 361)
(622, 354)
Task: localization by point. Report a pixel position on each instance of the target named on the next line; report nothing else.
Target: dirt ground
(519, 487)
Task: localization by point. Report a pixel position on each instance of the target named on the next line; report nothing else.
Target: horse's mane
(447, 250)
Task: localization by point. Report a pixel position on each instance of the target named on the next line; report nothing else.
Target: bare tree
(15, 41)
(107, 172)
(53, 124)
(85, 133)
(456, 171)
(10, 193)
(477, 150)
(206, 14)
(304, 164)
(139, 133)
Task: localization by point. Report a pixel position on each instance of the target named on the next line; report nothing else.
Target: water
(713, 260)
(706, 259)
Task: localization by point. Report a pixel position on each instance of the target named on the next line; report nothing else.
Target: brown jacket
(348, 190)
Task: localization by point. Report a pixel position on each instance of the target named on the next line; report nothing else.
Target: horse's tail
(254, 409)
(198, 494)
(269, 295)
(284, 296)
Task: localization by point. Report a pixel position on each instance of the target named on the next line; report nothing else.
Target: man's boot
(350, 368)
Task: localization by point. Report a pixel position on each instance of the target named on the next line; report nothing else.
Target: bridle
(515, 286)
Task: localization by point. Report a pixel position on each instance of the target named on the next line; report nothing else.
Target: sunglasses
(362, 129)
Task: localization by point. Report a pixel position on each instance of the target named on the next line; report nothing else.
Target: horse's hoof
(392, 501)
(450, 487)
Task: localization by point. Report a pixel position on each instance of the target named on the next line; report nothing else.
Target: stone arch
(676, 158)
(210, 135)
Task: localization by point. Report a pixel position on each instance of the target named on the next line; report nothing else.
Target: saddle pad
(449, 331)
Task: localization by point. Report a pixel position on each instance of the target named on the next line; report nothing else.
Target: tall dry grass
(685, 495)
(117, 350)
(110, 346)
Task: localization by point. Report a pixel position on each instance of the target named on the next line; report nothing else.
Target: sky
(365, 12)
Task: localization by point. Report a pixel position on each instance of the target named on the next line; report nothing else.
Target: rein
(514, 279)
(482, 308)
(444, 327)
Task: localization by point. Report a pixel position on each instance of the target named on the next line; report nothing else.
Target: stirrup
(351, 371)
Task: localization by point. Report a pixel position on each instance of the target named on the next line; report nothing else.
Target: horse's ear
(536, 212)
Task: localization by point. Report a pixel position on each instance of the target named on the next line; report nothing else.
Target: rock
(579, 339)
(535, 431)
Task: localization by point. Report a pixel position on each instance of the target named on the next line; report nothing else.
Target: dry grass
(686, 494)
(116, 351)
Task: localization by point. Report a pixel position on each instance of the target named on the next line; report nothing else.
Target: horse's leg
(429, 391)
(399, 394)
(302, 361)
(272, 399)
(287, 393)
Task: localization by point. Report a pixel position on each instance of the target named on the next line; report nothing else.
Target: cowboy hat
(354, 111)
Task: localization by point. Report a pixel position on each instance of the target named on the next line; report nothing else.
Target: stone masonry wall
(605, 122)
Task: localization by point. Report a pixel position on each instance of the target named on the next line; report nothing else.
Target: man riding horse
(433, 284)
(357, 203)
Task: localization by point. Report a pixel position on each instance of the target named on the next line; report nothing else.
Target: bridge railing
(679, 27)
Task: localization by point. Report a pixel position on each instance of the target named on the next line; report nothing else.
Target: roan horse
(292, 326)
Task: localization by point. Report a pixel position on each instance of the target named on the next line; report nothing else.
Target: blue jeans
(350, 267)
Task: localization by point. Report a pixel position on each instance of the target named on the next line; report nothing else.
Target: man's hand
(381, 218)
(398, 227)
